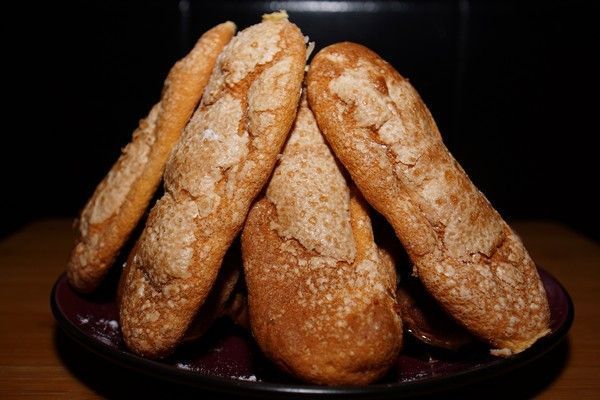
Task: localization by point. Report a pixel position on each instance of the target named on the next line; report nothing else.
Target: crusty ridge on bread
(222, 161)
(468, 258)
(121, 198)
(321, 296)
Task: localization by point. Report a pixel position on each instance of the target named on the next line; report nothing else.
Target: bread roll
(321, 296)
(224, 158)
(120, 200)
(468, 258)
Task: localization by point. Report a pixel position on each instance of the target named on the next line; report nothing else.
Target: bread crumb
(276, 16)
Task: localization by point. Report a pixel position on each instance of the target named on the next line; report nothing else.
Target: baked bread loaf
(321, 296)
(224, 158)
(468, 258)
(122, 197)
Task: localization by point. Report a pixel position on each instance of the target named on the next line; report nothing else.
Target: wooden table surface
(37, 360)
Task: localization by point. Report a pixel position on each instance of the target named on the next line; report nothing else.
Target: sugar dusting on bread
(314, 211)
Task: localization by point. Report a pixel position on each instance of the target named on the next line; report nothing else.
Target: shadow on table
(114, 382)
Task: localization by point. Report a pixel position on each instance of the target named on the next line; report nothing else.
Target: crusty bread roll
(222, 161)
(321, 296)
(120, 200)
(468, 258)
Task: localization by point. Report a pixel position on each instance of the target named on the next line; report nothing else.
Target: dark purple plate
(228, 360)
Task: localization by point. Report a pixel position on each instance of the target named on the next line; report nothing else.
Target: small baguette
(468, 258)
(121, 199)
(224, 158)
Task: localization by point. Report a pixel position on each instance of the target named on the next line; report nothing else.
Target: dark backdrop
(513, 86)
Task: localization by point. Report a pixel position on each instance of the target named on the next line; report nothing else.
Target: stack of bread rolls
(240, 149)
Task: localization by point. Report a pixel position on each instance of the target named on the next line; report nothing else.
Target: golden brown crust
(121, 198)
(222, 161)
(322, 306)
(466, 255)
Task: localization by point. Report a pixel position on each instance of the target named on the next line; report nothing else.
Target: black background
(513, 87)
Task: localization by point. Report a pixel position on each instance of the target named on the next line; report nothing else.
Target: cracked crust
(321, 296)
(122, 197)
(224, 158)
(466, 255)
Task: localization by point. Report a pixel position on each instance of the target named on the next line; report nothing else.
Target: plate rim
(268, 389)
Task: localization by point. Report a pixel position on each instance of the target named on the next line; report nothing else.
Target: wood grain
(38, 361)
